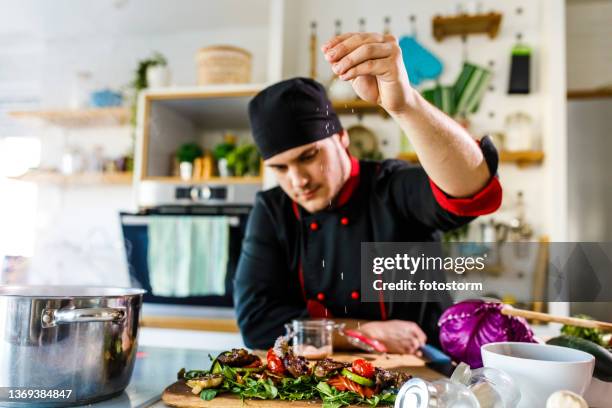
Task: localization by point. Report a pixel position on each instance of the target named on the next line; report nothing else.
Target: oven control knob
(194, 193)
(206, 193)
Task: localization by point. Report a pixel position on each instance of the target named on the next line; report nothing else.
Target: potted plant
(221, 153)
(186, 154)
(244, 161)
(142, 79)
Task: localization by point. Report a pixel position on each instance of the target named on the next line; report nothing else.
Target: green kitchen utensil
(470, 88)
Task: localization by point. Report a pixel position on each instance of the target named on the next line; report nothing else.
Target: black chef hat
(289, 114)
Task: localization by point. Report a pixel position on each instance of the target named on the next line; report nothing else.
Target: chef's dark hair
(289, 114)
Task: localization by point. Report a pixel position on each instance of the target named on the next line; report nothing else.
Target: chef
(301, 252)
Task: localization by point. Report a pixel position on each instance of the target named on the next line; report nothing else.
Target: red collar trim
(351, 184)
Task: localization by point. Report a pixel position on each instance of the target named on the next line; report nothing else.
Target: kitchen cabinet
(170, 117)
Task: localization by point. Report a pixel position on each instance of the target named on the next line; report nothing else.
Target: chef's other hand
(399, 336)
(374, 65)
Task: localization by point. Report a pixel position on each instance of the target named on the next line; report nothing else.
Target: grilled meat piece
(237, 358)
(401, 379)
(326, 367)
(296, 365)
(387, 379)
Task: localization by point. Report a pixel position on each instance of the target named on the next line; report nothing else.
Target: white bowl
(540, 369)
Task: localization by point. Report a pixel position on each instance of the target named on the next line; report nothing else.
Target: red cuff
(484, 202)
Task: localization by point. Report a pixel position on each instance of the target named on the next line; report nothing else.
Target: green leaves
(188, 152)
(295, 389)
(208, 394)
(191, 374)
(332, 398)
(594, 335)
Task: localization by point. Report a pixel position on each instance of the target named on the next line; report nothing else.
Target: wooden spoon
(545, 317)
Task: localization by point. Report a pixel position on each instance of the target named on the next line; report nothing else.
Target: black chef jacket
(295, 264)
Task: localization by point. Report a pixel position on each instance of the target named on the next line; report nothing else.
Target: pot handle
(53, 317)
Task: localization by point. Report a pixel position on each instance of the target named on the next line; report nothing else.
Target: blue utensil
(434, 355)
(420, 63)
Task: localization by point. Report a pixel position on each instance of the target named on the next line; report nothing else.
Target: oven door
(136, 239)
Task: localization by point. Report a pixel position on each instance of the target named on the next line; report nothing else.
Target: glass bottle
(493, 388)
(444, 393)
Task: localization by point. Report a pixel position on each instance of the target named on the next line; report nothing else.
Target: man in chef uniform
(300, 255)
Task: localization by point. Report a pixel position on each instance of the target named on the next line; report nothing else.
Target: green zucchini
(357, 378)
(603, 358)
(242, 370)
(216, 367)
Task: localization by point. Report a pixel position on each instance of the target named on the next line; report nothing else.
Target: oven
(188, 201)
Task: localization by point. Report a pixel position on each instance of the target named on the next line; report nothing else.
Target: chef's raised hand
(399, 336)
(373, 63)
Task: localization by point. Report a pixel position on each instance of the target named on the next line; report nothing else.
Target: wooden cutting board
(179, 394)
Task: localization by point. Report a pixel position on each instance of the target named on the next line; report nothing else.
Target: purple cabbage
(468, 325)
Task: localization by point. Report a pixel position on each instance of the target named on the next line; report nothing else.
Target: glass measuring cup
(312, 338)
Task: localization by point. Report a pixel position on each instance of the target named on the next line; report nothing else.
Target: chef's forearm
(444, 148)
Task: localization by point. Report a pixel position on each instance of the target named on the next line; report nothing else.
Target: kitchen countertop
(155, 369)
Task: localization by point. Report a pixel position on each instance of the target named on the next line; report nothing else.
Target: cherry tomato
(363, 368)
(275, 364)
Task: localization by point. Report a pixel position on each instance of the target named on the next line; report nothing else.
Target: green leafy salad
(286, 376)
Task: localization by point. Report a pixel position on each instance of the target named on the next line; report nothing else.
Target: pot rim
(67, 291)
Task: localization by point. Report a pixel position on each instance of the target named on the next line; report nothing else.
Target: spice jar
(418, 393)
(312, 339)
(493, 388)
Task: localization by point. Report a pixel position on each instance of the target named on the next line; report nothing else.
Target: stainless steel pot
(76, 338)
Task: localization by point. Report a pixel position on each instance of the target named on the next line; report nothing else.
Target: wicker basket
(223, 64)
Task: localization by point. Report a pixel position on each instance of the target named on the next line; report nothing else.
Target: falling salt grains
(358, 325)
(345, 311)
(323, 263)
(325, 312)
(341, 275)
(352, 110)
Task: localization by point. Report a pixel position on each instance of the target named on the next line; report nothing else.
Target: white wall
(77, 231)
(589, 54)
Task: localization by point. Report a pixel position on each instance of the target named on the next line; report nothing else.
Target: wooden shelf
(211, 180)
(589, 93)
(357, 107)
(190, 323)
(54, 177)
(77, 117)
(521, 158)
(465, 24)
